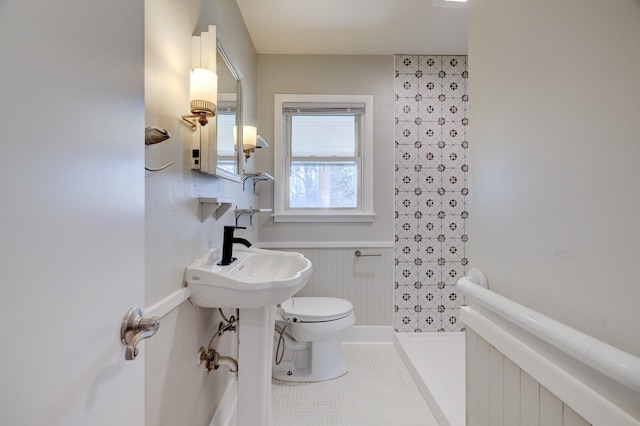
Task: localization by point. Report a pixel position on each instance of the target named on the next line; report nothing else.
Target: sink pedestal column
(255, 337)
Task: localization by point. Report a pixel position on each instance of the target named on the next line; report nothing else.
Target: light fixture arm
(194, 119)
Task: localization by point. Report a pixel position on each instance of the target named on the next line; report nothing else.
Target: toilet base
(313, 362)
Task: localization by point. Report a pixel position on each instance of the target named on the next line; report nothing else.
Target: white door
(71, 212)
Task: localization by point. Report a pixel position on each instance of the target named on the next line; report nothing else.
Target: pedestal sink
(255, 283)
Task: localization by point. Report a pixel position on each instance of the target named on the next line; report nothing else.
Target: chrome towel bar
(358, 253)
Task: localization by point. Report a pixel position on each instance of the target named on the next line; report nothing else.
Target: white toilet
(307, 340)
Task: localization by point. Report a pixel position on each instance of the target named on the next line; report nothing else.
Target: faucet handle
(235, 227)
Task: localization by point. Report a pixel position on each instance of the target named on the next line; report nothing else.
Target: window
(323, 150)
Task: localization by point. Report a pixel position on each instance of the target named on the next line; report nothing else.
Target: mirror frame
(237, 75)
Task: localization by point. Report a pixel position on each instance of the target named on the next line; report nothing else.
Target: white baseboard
(368, 334)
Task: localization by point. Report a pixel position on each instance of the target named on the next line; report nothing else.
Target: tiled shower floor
(377, 391)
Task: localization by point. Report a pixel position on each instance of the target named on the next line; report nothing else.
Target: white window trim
(281, 214)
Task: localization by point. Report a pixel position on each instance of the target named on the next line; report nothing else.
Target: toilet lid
(316, 309)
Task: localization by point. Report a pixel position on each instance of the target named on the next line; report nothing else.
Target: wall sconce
(251, 140)
(203, 94)
(249, 136)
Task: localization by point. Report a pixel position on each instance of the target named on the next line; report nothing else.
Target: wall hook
(152, 136)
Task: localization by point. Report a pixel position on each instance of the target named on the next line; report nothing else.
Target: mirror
(228, 113)
(214, 151)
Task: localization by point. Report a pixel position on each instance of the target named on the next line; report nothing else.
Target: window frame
(364, 212)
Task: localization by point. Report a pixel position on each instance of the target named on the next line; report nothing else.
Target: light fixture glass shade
(249, 137)
(204, 90)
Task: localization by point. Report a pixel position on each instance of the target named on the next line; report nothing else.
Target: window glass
(323, 169)
(323, 185)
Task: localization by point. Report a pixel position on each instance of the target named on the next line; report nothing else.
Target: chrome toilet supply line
(135, 328)
(281, 341)
(228, 324)
(358, 253)
(212, 357)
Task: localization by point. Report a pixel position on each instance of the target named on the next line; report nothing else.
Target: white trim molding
(324, 217)
(322, 244)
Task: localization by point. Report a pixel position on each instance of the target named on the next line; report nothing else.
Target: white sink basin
(257, 278)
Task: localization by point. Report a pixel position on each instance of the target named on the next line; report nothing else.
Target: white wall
(72, 215)
(337, 272)
(555, 130)
(366, 75)
(178, 390)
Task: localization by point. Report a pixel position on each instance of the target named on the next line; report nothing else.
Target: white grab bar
(169, 303)
(614, 363)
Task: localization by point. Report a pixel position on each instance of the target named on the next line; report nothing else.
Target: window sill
(326, 217)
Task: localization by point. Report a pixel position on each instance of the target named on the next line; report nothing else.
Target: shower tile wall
(431, 191)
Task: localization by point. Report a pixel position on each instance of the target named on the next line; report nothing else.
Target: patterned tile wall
(431, 191)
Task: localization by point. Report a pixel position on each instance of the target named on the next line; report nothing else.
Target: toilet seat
(315, 309)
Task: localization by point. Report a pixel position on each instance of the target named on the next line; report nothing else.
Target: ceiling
(354, 27)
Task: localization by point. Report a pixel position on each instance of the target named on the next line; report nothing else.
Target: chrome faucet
(227, 244)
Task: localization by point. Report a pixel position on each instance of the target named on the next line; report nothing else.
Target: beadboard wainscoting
(523, 365)
(366, 281)
(500, 393)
